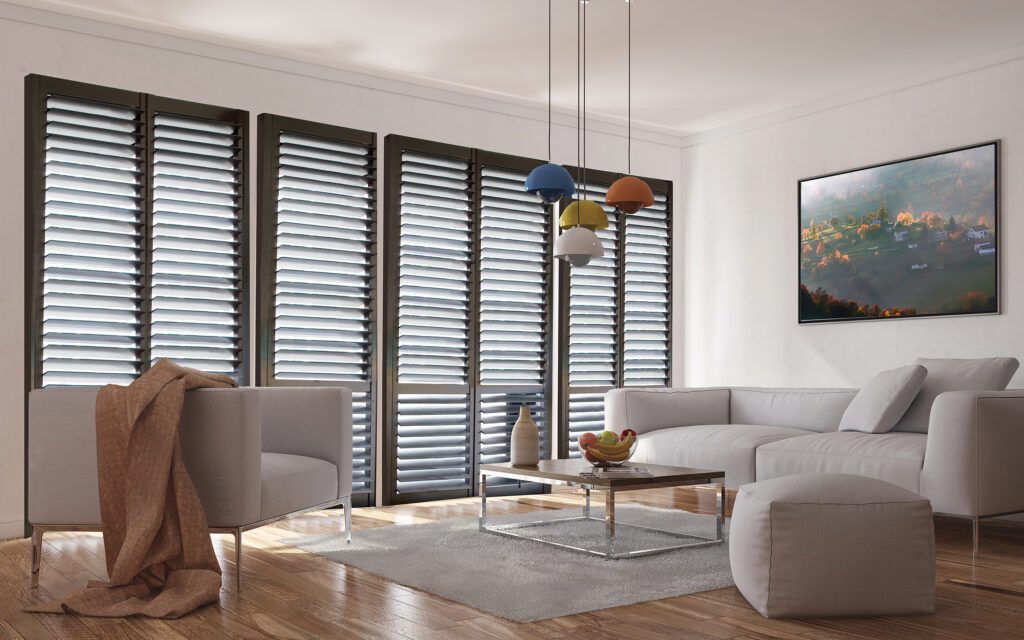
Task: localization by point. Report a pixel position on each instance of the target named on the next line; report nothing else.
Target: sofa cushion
(810, 409)
(725, 447)
(883, 400)
(952, 374)
(893, 457)
(291, 483)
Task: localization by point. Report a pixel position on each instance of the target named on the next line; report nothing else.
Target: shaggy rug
(524, 581)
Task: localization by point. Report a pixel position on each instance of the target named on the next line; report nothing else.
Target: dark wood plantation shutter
(618, 329)
(429, 281)
(647, 300)
(198, 236)
(87, 274)
(317, 264)
(591, 325)
(136, 232)
(514, 310)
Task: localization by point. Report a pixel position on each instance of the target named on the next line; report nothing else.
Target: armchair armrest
(221, 443)
(972, 463)
(644, 410)
(310, 421)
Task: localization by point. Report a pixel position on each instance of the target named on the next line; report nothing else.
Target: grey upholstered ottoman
(830, 544)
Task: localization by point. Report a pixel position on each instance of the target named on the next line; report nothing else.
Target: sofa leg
(975, 538)
(346, 506)
(238, 559)
(37, 554)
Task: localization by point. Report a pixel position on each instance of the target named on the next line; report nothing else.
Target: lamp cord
(549, 81)
(584, 100)
(629, 87)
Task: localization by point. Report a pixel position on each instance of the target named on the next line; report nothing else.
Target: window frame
(269, 127)
(605, 178)
(37, 89)
(394, 147)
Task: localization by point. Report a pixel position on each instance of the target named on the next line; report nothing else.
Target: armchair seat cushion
(894, 457)
(729, 447)
(291, 483)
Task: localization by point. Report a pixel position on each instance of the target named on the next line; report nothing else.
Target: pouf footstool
(830, 544)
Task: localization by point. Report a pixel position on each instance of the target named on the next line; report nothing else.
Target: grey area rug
(524, 581)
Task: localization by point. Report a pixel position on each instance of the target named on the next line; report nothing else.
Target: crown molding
(378, 81)
(995, 59)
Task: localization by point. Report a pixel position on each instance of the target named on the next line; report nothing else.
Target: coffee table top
(569, 471)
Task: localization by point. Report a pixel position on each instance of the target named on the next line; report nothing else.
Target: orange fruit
(587, 439)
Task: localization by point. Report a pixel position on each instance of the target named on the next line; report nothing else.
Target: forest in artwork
(911, 238)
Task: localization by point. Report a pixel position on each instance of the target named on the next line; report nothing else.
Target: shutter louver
(196, 226)
(513, 312)
(92, 243)
(325, 195)
(646, 299)
(433, 447)
(593, 329)
(362, 443)
(435, 253)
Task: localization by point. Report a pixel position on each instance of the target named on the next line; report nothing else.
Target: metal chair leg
(37, 554)
(346, 506)
(976, 538)
(238, 559)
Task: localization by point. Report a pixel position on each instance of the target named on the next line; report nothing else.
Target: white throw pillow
(951, 374)
(884, 399)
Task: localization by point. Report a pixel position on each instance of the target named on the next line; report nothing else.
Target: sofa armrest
(220, 440)
(310, 421)
(972, 463)
(62, 482)
(644, 410)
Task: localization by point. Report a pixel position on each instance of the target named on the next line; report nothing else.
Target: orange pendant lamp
(629, 194)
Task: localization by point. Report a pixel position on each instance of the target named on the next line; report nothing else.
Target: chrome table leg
(586, 505)
(609, 521)
(720, 521)
(483, 501)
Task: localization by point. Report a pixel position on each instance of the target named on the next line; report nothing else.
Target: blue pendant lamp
(550, 182)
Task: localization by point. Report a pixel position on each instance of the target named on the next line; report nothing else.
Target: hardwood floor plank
(289, 593)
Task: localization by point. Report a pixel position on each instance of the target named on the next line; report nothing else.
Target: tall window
(136, 216)
(617, 326)
(316, 257)
(467, 275)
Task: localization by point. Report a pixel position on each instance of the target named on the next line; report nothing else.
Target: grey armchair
(256, 455)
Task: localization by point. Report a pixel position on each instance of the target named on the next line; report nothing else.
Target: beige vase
(525, 440)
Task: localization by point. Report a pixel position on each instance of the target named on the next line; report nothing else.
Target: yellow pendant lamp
(629, 194)
(584, 213)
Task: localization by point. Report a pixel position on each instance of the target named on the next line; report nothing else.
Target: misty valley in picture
(909, 238)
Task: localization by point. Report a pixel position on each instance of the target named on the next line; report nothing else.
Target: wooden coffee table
(567, 473)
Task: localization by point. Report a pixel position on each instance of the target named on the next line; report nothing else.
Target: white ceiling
(697, 64)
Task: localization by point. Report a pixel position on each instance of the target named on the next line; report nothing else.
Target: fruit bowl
(608, 449)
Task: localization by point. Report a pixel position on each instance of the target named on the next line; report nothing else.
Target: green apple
(607, 437)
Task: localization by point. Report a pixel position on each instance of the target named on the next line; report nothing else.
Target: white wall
(39, 42)
(737, 199)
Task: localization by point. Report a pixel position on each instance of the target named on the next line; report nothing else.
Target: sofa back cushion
(953, 374)
(644, 410)
(883, 400)
(813, 409)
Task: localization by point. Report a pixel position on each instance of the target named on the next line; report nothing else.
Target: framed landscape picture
(911, 238)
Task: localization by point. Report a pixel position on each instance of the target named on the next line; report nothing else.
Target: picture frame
(867, 252)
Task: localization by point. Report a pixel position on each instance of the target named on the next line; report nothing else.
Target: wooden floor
(291, 594)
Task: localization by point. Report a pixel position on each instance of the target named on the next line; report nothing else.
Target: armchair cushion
(292, 483)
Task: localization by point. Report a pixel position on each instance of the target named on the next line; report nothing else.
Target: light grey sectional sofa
(969, 461)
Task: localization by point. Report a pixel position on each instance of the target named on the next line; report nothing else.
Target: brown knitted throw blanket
(160, 560)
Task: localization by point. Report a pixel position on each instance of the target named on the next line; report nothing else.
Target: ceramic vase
(525, 440)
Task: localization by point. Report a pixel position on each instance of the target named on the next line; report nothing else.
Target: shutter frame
(394, 148)
(270, 127)
(240, 119)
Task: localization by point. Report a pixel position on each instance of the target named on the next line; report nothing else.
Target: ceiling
(697, 64)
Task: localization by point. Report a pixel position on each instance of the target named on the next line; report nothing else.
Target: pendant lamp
(578, 244)
(629, 194)
(550, 182)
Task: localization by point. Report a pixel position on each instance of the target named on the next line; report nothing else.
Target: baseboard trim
(13, 529)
